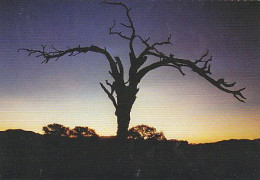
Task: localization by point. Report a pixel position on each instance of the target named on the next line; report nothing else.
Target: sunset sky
(67, 91)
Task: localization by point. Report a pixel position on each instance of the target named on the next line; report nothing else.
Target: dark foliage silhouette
(83, 132)
(59, 130)
(27, 155)
(145, 132)
(123, 92)
(56, 130)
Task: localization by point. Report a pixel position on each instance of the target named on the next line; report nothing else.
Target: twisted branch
(118, 33)
(200, 66)
(202, 71)
(131, 25)
(56, 54)
(153, 46)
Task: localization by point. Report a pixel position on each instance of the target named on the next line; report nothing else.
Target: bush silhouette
(145, 132)
(83, 132)
(56, 130)
(77, 132)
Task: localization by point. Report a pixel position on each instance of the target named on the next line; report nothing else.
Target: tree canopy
(56, 130)
(145, 132)
(82, 132)
(77, 132)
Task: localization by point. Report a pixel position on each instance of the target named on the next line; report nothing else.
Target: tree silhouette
(145, 132)
(123, 92)
(80, 132)
(56, 130)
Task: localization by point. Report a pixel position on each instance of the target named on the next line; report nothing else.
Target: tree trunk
(125, 101)
(123, 120)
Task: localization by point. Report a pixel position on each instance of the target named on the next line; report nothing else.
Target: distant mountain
(19, 134)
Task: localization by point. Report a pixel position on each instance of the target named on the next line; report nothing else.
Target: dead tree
(123, 92)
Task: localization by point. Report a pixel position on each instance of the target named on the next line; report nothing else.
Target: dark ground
(27, 155)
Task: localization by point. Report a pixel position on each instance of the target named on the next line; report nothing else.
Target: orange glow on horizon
(182, 110)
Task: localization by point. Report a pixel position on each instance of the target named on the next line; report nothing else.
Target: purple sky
(68, 92)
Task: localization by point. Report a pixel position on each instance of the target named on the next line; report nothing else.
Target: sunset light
(67, 91)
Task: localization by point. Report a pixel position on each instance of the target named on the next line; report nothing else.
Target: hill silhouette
(25, 154)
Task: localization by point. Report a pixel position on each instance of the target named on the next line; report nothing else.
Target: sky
(67, 91)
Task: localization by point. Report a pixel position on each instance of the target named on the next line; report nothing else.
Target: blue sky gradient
(67, 91)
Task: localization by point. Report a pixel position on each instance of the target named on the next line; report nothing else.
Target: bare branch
(149, 68)
(163, 42)
(203, 72)
(112, 87)
(56, 49)
(112, 75)
(72, 52)
(109, 84)
(200, 59)
(145, 42)
(153, 46)
(131, 25)
(222, 82)
(109, 94)
(127, 26)
(118, 33)
(120, 67)
(127, 14)
(239, 95)
(206, 63)
(177, 67)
